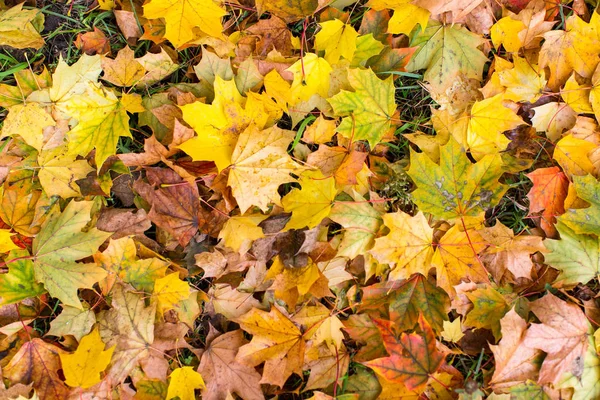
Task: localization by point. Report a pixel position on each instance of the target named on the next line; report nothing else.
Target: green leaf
(585, 220)
(489, 306)
(60, 243)
(455, 188)
(407, 300)
(368, 110)
(444, 50)
(576, 256)
(19, 283)
(360, 221)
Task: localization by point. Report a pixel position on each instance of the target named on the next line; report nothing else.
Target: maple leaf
(69, 81)
(337, 40)
(19, 283)
(175, 204)
(129, 326)
(455, 188)
(182, 383)
(408, 299)
(509, 252)
(6, 244)
(181, 16)
(312, 203)
(325, 366)
(223, 373)
(229, 301)
(60, 243)
(361, 328)
(311, 76)
(489, 306)
(170, 290)
(523, 82)
(239, 232)
(83, 368)
(28, 121)
(21, 28)
(218, 124)
(59, 172)
(562, 335)
(124, 70)
(576, 256)
(119, 261)
(94, 42)
(584, 220)
(72, 321)
(361, 223)
(408, 246)
(276, 341)
(289, 10)
(548, 195)
(102, 120)
(27, 82)
(453, 331)
(412, 359)
(571, 154)
(406, 15)
(368, 110)
(23, 207)
(444, 50)
(574, 49)
(515, 362)
(291, 283)
(38, 362)
(456, 258)
(260, 164)
(488, 119)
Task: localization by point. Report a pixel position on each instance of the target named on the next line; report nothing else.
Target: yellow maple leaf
(218, 124)
(571, 154)
(20, 28)
(408, 247)
(406, 15)
(505, 33)
(182, 383)
(290, 283)
(452, 331)
(69, 81)
(311, 76)
(455, 259)
(83, 368)
(337, 39)
(488, 119)
(59, 172)
(124, 70)
(101, 121)
(182, 16)
(6, 244)
(312, 203)
(523, 82)
(170, 290)
(574, 49)
(259, 164)
(595, 93)
(278, 88)
(276, 341)
(240, 231)
(28, 121)
(577, 96)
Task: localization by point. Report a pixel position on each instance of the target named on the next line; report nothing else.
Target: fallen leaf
(83, 368)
